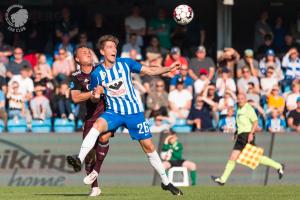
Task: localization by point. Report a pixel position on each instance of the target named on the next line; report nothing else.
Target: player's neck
(86, 69)
(108, 64)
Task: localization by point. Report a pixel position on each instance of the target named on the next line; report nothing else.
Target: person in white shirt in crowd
(270, 60)
(269, 81)
(245, 79)
(291, 97)
(16, 103)
(131, 45)
(227, 101)
(248, 60)
(224, 83)
(26, 86)
(291, 62)
(180, 101)
(135, 24)
(275, 124)
(202, 82)
(40, 105)
(228, 123)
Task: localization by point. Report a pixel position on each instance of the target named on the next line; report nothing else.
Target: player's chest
(84, 81)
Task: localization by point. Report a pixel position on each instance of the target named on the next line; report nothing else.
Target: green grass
(142, 193)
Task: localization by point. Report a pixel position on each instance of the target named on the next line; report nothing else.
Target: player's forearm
(254, 127)
(81, 97)
(155, 70)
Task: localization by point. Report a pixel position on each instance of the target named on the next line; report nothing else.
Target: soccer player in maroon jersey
(79, 85)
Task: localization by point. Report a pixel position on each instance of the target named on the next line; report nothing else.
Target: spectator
(269, 81)
(3, 114)
(228, 123)
(252, 95)
(268, 44)
(157, 99)
(187, 80)
(262, 28)
(201, 61)
(25, 86)
(200, 116)
(202, 82)
(84, 40)
(160, 124)
(180, 101)
(175, 55)
(229, 58)
(66, 26)
(172, 151)
(135, 24)
(40, 105)
(43, 67)
(289, 42)
(130, 45)
(65, 44)
(62, 67)
(16, 103)
(291, 62)
(5, 50)
(162, 27)
(155, 48)
(294, 118)
(14, 67)
(224, 83)
(227, 101)
(249, 61)
(291, 97)
(99, 28)
(270, 60)
(245, 79)
(64, 102)
(279, 32)
(295, 28)
(210, 93)
(275, 124)
(275, 100)
(260, 114)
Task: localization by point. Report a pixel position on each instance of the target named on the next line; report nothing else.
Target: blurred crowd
(202, 95)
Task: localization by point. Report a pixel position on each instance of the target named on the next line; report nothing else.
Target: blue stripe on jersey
(111, 77)
(110, 102)
(130, 87)
(137, 102)
(125, 100)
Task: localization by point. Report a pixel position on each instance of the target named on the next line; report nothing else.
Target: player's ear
(76, 60)
(101, 51)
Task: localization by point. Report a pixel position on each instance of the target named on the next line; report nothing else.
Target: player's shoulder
(76, 73)
(124, 60)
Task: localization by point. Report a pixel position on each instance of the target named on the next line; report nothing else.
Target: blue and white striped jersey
(117, 82)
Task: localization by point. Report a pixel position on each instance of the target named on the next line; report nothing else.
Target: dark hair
(79, 47)
(251, 83)
(268, 37)
(132, 34)
(105, 38)
(26, 68)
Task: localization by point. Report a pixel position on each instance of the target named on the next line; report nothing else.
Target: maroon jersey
(80, 81)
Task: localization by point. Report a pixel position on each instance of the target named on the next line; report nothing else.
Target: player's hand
(98, 91)
(250, 137)
(175, 66)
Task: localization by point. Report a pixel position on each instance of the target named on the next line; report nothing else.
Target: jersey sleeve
(252, 114)
(95, 80)
(74, 84)
(134, 66)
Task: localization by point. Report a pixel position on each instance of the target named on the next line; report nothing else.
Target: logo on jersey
(86, 80)
(102, 75)
(116, 88)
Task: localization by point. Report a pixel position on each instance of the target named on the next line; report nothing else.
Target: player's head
(241, 99)
(83, 56)
(107, 45)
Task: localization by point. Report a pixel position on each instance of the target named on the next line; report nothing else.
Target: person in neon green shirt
(247, 123)
(172, 156)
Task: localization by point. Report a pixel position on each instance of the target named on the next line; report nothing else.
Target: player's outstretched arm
(156, 70)
(78, 96)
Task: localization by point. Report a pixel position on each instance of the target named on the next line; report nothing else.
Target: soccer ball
(183, 14)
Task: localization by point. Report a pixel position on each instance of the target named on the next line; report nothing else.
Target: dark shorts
(241, 141)
(176, 163)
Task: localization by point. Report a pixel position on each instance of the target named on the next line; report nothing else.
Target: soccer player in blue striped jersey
(113, 78)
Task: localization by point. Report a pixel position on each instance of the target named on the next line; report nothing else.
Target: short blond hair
(105, 38)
